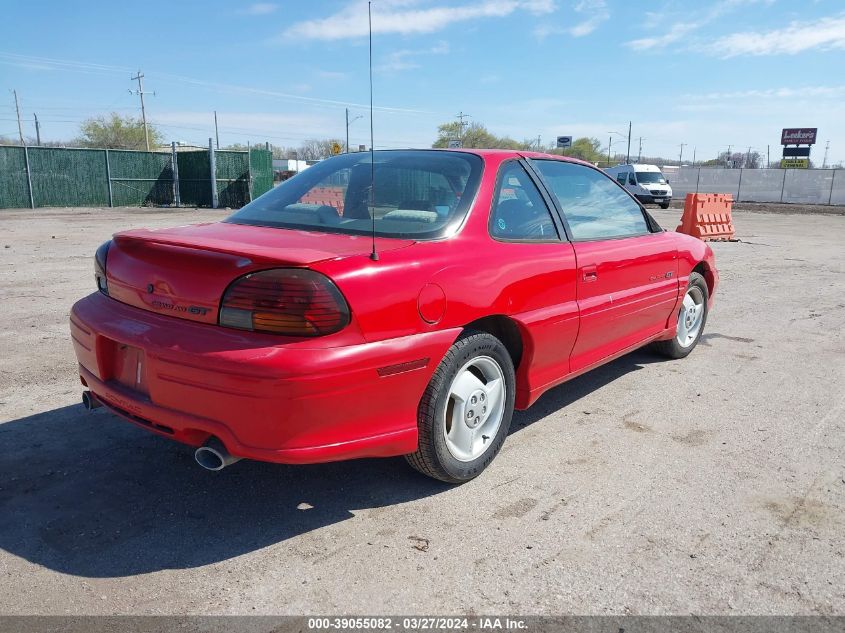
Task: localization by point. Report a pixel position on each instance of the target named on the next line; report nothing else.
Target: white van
(646, 182)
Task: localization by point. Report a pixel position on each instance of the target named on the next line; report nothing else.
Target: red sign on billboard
(798, 136)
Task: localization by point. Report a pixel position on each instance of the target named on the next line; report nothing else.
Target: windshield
(650, 178)
(418, 194)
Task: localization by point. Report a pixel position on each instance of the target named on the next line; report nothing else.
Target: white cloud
(815, 99)
(261, 8)
(824, 34)
(597, 13)
(675, 33)
(395, 16)
(770, 93)
(405, 59)
(681, 29)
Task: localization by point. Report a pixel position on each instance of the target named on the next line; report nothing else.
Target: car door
(536, 269)
(627, 267)
(633, 185)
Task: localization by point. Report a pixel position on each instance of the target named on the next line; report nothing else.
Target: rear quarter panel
(533, 283)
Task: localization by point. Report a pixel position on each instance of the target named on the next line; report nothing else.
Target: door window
(519, 211)
(595, 207)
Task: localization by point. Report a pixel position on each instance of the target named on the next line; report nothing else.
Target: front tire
(466, 410)
(664, 205)
(692, 317)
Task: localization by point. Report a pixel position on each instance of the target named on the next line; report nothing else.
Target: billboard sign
(796, 152)
(564, 141)
(795, 163)
(798, 136)
(455, 143)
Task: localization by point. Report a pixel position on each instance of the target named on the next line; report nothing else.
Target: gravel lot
(712, 485)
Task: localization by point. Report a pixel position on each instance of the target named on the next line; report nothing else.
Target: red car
(402, 303)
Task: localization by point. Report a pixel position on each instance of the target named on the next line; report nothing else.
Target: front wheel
(664, 205)
(466, 410)
(691, 319)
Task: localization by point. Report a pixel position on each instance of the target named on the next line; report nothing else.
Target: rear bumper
(287, 403)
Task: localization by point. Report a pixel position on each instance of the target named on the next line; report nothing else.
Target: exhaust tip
(209, 458)
(213, 455)
(89, 401)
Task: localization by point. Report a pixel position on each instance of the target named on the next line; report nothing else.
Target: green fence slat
(261, 164)
(14, 191)
(194, 178)
(141, 178)
(70, 177)
(67, 178)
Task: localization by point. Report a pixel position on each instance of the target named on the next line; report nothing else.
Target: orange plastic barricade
(707, 216)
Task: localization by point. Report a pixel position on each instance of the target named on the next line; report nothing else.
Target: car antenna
(373, 254)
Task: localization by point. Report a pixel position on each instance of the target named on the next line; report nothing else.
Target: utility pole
(728, 159)
(216, 134)
(628, 156)
(609, 145)
(640, 152)
(140, 79)
(681, 155)
(539, 141)
(461, 116)
(826, 148)
(768, 157)
(37, 130)
(747, 158)
(694, 150)
(18, 110)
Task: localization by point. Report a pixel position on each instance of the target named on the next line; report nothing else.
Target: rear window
(417, 194)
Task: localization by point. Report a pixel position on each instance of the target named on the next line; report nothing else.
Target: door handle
(589, 273)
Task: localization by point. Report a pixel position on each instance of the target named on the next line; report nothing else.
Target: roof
(516, 154)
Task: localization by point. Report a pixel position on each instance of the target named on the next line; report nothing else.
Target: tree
(117, 132)
(754, 160)
(585, 148)
(316, 149)
(474, 135)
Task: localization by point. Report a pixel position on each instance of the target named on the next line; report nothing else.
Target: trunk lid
(184, 271)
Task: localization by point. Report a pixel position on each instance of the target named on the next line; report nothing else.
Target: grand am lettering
(163, 305)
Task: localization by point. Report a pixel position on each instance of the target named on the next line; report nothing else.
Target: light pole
(347, 127)
(610, 142)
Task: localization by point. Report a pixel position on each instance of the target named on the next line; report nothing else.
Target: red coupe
(393, 303)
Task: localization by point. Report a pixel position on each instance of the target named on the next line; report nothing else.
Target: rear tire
(692, 316)
(466, 410)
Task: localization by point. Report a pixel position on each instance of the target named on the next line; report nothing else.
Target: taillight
(291, 301)
(100, 267)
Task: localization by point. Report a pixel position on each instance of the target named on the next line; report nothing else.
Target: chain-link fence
(71, 177)
(802, 186)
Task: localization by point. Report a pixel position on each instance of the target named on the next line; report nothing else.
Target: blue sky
(706, 74)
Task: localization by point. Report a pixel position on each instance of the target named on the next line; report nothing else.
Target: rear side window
(407, 193)
(519, 212)
(621, 177)
(595, 207)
